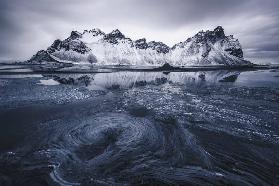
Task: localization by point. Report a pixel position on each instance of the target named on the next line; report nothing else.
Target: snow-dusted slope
(94, 46)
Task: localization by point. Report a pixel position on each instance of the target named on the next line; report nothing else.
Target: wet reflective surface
(140, 128)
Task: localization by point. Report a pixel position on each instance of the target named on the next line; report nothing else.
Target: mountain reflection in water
(133, 79)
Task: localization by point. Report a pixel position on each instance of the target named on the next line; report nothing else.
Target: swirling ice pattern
(115, 148)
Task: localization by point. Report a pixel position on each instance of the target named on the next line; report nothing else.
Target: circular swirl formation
(116, 148)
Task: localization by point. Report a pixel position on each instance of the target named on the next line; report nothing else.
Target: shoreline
(119, 69)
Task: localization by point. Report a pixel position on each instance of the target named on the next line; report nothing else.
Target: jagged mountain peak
(211, 46)
(206, 37)
(219, 31)
(94, 31)
(116, 33)
(206, 47)
(114, 36)
(75, 35)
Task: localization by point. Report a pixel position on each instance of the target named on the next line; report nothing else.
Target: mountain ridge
(114, 48)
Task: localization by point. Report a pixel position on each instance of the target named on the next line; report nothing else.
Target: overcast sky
(31, 25)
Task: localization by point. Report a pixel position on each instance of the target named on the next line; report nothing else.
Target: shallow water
(140, 128)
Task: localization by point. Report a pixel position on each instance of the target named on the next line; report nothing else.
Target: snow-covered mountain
(95, 46)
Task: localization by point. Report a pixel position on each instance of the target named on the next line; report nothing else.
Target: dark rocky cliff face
(159, 47)
(141, 44)
(69, 44)
(114, 36)
(42, 56)
(235, 52)
(75, 35)
(56, 45)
